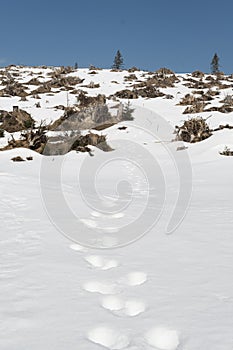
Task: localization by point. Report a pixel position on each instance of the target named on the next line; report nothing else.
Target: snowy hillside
(125, 249)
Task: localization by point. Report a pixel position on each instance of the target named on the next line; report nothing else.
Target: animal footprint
(162, 338)
(101, 287)
(134, 279)
(99, 262)
(113, 303)
(134, 307)
(97, 214)
(131, 307)
(109, 338)
(77, 248)
(89, 223)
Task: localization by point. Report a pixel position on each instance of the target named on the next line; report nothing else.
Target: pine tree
(118, 61)
(215, 64)
(127, 112)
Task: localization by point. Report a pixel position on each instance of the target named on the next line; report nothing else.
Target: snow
(162, 292)
(135, 278)
(162, 338)
(121, 307)
(98, 261)
(109, 338)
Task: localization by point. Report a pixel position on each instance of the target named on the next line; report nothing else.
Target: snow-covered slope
(79, 289)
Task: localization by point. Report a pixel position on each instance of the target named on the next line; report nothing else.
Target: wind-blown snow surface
(161, 292)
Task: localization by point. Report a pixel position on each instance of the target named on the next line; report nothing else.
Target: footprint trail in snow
(97, 261)
(113, 301)
(162, 338)
(108, 337)
(121, 307)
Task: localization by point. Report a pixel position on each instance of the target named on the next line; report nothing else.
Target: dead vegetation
(13, 88)
(198, 102)
(92, 67)
(91, 112)
(18, 159)
(68, 136)
(208, 82)
(147, 92)
(57, 72)
(65, 143)
(227, 152)
(133, 69)
(16, 120)
(92, 85)
(33, 81)
(32, 139)
(198, 74)
(164, 71)
(159, 80)
(196, 107)
(95, 115)
(130, 77)
(91, 139)
(222, 109)
(85, 101)
(58, 82)
(193, 130)
(190, 99)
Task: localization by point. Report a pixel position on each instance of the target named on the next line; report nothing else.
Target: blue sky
(182, 35)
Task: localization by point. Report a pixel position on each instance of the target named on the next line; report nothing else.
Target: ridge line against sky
(150, 34)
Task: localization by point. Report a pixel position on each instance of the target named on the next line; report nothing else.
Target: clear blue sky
(180, 34)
